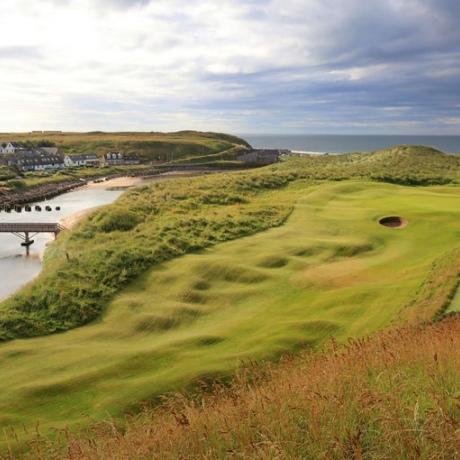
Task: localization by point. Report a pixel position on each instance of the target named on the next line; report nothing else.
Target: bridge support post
(27, 241)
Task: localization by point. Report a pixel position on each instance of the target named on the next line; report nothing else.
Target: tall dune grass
(387, 396)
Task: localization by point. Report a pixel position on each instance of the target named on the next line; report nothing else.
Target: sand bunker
(393, 222)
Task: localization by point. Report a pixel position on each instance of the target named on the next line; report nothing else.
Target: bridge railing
(31, 227)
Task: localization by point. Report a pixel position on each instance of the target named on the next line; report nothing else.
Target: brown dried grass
(392, 395)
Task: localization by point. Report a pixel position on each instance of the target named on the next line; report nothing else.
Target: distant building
(84, 159)
(56, 151)
(118, 159)
(131, 159)
(8, 147)
(113, 159)
(27, 160)
(261, 157)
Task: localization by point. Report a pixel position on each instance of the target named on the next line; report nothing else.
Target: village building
(113, 159)
(45, 158)
(131, 159)
(8, 147)
(56, 151)
(84, 159)
(27, 160)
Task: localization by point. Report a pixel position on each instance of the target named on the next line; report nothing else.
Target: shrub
(121, 220)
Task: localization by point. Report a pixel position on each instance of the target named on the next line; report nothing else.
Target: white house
(33, 161)
(83, 159)
(8, 147)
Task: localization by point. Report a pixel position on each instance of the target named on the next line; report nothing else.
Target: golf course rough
(330, 270)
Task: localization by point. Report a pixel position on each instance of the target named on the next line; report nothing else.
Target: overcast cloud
(239, 66)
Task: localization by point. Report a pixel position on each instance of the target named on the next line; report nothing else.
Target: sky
(233, 66)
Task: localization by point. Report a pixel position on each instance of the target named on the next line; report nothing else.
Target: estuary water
(335, 143)
(19, 266)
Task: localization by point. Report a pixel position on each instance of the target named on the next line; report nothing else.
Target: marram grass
(393, 395)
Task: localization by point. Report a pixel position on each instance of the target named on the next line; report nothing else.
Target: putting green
(332, 269)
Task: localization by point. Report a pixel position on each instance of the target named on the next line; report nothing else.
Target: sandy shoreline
(116, 182)
(72, 219)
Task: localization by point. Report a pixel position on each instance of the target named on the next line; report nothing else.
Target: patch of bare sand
(393, 222)
(116, 182)
(72, 219)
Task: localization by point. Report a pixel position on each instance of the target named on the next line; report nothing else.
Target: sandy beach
(115, 182)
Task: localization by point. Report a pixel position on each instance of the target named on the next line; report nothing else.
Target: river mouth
(19, 265)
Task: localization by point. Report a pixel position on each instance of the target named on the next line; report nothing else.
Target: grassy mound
(149, 146)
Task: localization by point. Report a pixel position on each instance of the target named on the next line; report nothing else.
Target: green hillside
(158, 222)
(178, 282)
(149, 146)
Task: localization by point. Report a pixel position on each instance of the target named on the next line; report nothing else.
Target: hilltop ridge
(148, 145)
(407, 165)
(412, 152)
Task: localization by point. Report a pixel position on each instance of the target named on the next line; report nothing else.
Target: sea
(346, 143)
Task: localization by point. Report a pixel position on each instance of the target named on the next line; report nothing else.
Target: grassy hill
(178, 282)
(149, 146)
(152, 148)
(158, 222)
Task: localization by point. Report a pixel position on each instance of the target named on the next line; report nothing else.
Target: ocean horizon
(346, 143)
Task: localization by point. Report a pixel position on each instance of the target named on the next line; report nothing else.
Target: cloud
(19, 53)
(250, 64)
(122, 3)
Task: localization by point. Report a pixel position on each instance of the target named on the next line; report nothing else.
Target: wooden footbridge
(27, 231)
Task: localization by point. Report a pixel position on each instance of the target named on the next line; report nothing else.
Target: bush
(121, 220)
